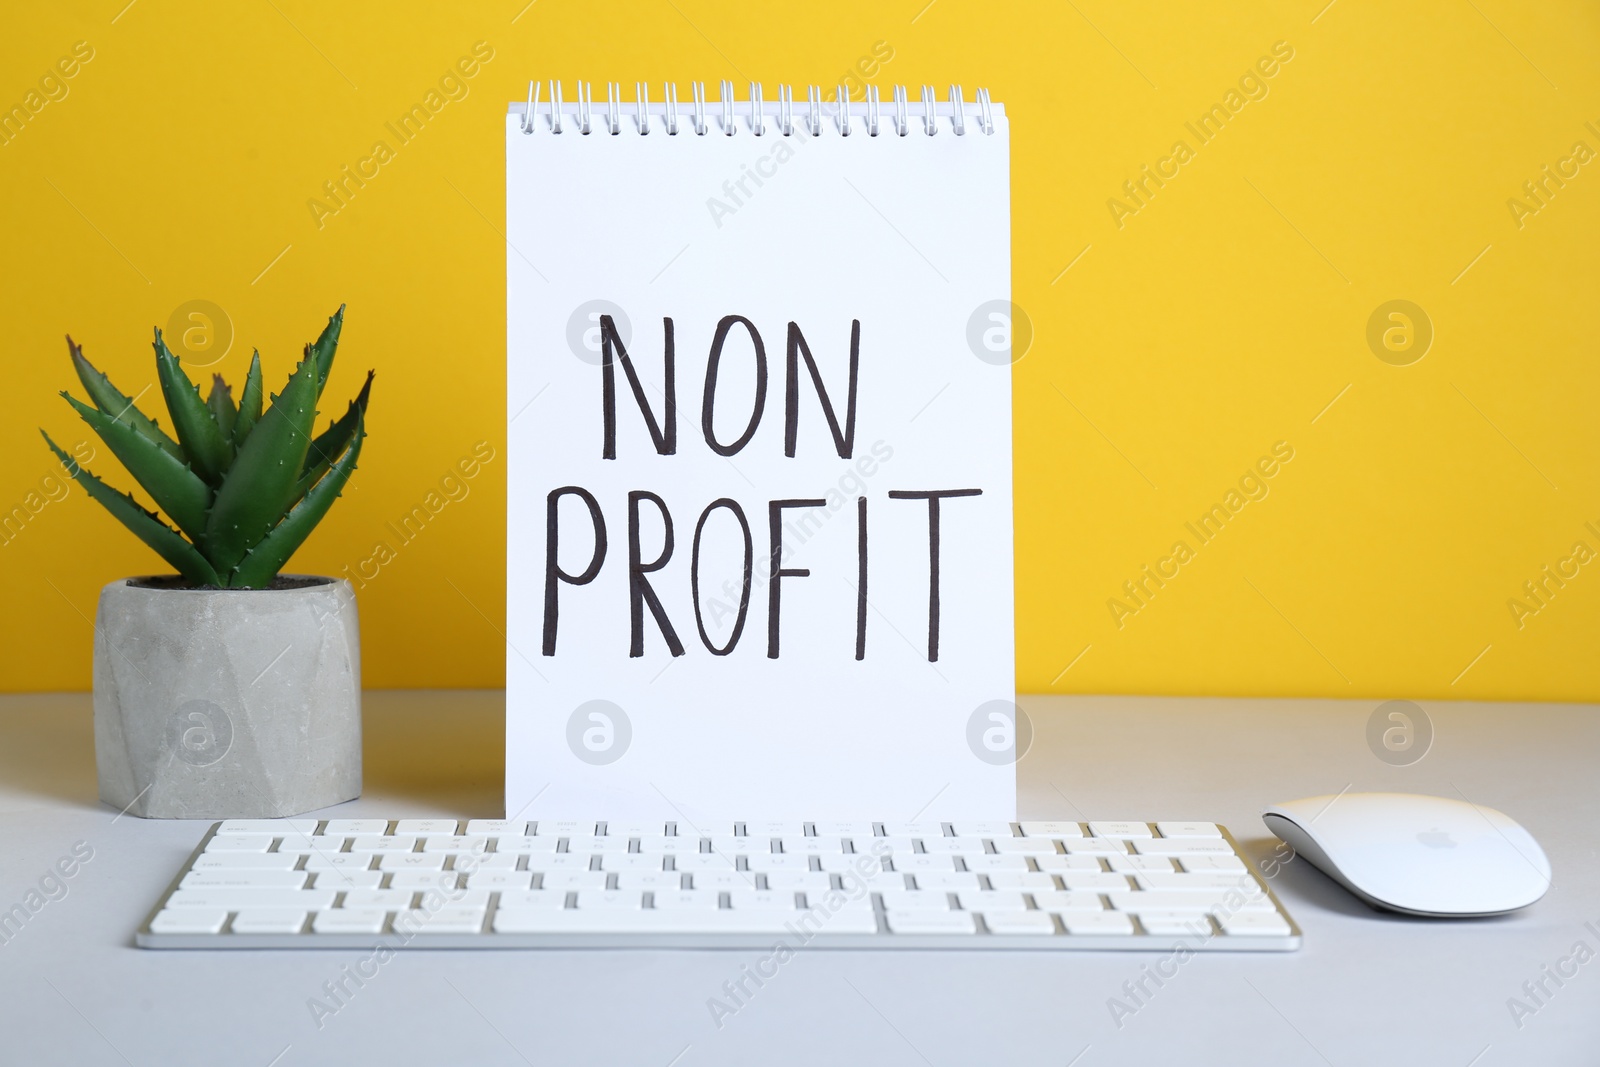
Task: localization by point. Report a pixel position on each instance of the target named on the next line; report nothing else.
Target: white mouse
(1418, 855)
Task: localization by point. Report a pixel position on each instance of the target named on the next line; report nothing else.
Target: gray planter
(227, 703)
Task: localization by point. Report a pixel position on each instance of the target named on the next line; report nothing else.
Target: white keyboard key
(674, 846)
(276, 827)
(1051, 829)
(488, 861)
(351, 827)
(1140, 863)
(845, 829)
(637, 829)
(1065, 901)
(730, 845)
(918, 861)
(342, 878)
(1097, 846)
(915, 900)
(658, 880)
(269, 921)
(564, 829)
(667, 920)
(990, 900)
(234, 899)
(699, 899)
(465, 898)
(411, 861)
(913, 829)
(1119, 829)
(534, 898)
(245, 861)
(981, 829)
(761, 899)
(882, 845)
(500, 880)
(1175, 923)
(382, 843)
(1211, 863)
(239, 843)
(387, 899)
(423, 879)
(610, 898)
(703, 861)
(573, 879)
(799, 881)
(1000, 862)
(1094, 881)
(857, 862)
(810, 845)
(1029, 846)
(328, 861)
(1189, 829)
(172, 920)
(1105, 922)
(1019, 922)
(943, 880)
(244, 878)
(557, 861)
(1254, 924)
(778, 861)
(451, 919)
(774, 829)
(512, 844)
(455, 844)
(498, 827)
(1175, 846)
(1021, 880)
(601, 845)
(1187, 900)
(950, 846)
(349, 921)
(924, 921)
(631, 861)
(1071, 863)
(426, 826)
(1208, 880)
(728, 879)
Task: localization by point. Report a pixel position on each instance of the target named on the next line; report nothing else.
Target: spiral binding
(840, 112)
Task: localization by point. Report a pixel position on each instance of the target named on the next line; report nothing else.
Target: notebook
(759, 539)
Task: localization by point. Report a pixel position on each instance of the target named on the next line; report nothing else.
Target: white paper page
(907, 236)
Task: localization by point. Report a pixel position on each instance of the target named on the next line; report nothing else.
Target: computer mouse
(1415, 854)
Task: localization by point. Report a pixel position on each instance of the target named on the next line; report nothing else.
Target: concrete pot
(227, 703)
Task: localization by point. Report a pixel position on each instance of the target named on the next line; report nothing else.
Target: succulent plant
(243, 486)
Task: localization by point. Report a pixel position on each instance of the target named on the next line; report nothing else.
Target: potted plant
(228, 689)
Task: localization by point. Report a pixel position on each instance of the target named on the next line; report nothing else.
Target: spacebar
(679, 921)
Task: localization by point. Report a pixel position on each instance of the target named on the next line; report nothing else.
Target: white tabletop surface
(1365, 989)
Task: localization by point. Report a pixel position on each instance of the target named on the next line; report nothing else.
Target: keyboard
(351, 883)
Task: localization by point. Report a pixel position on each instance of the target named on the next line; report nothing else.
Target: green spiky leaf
(330, 444)
(146, 526)
(249, 402)
(322, 350)
(175, 488)
(220, 401)
(109, 399)
(208, 450)
(263, 562)
(260, 484)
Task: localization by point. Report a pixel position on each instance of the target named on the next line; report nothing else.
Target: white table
(1366, 988)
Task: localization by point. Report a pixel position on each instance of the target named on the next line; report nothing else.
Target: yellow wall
(1186, 339)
